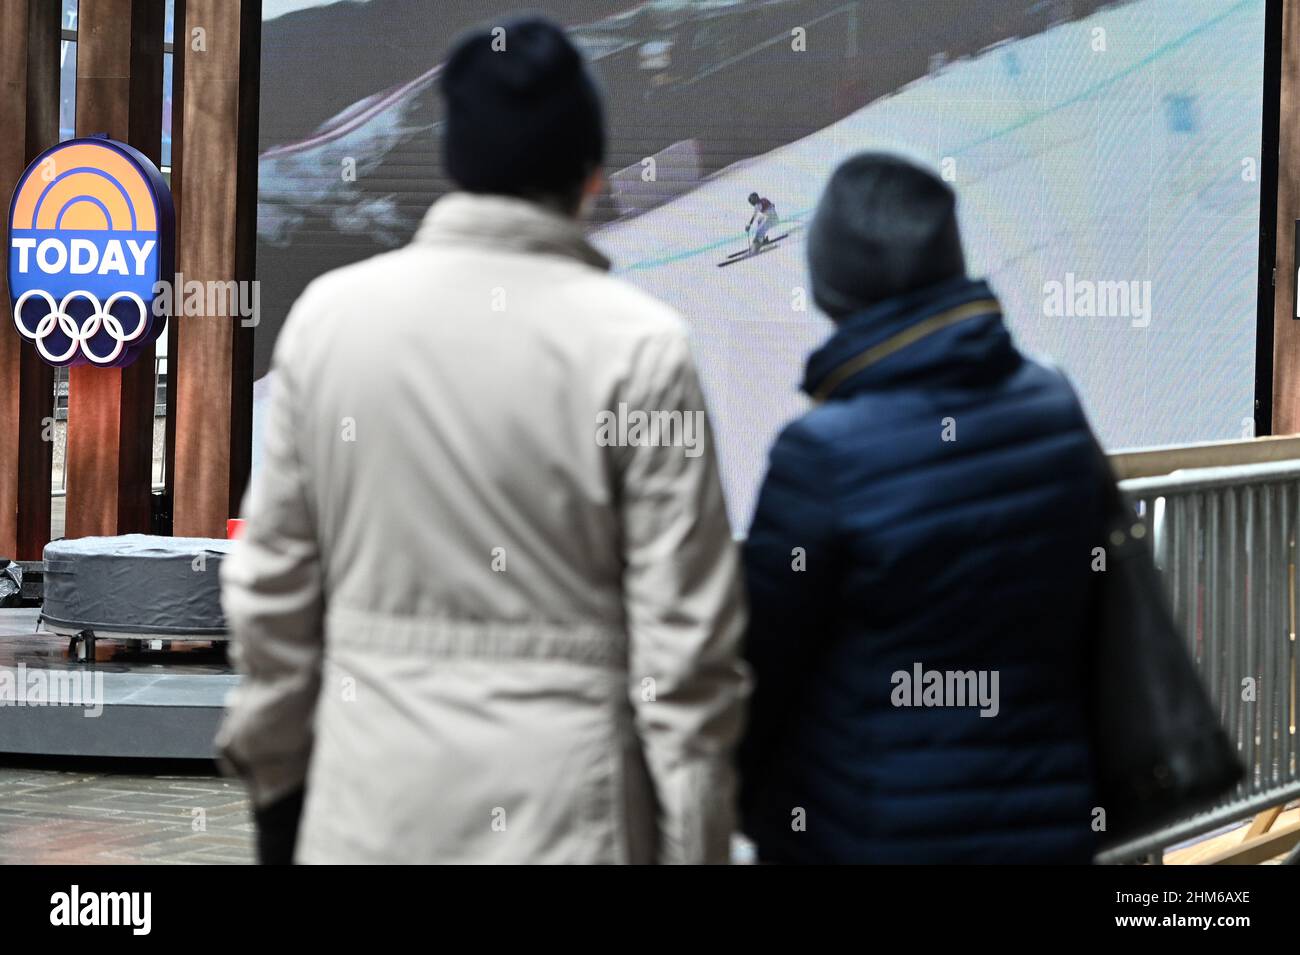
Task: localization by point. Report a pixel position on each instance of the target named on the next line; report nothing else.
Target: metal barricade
(1225, 539)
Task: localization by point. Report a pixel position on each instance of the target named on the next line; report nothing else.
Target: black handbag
(1159, 750)
(277, 828)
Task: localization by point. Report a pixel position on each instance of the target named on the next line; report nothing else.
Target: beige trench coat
(476, 631)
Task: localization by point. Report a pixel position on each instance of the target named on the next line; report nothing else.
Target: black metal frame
(1268, 187)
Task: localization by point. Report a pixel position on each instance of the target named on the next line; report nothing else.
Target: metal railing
(1226, 540)
(1159, 461)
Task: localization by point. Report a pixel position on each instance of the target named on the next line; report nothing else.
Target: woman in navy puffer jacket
(919, 565)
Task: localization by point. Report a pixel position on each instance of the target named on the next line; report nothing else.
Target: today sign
(91, 233)
(82, 256)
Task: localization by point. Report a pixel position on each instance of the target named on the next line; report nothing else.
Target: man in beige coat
(487, 605)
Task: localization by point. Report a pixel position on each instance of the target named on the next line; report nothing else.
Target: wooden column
(1286, 328)
(213, 362)
(29, 118)
(178, 130)
(110, 410)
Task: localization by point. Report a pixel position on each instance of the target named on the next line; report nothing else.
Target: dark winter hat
(523, 112)
(884, 227)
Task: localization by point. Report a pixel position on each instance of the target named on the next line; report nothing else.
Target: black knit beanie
(883, 228)
(523, 115)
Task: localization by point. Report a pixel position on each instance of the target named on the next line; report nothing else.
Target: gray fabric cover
(136, 583)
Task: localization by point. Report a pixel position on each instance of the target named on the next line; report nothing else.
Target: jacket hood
(506, 223)
(949, 334)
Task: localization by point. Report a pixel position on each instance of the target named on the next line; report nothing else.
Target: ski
(736, 255)
(744, 254)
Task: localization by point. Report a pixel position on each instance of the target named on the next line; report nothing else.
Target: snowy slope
(1115, 164)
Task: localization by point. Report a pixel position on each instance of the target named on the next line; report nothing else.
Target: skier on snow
(761, 221)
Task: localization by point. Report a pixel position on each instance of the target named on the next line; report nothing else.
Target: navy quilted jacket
(935, 512)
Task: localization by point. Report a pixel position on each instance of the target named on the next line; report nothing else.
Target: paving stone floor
(124, 812)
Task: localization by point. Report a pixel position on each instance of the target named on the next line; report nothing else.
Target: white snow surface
(1123, 147)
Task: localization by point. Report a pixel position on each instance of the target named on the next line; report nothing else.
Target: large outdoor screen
(1106, 156)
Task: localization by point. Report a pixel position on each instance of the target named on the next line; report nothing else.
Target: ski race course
(1073, 165)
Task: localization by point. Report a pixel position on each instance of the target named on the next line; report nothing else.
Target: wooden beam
(1215, 846)
(29, 115)
(110, 410)
(1257, 850)
(213, 361)
(1262, 823)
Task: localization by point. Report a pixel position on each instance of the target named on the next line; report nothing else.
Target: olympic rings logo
(80, 336)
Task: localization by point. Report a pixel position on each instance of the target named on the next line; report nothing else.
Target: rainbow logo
(91, 235)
